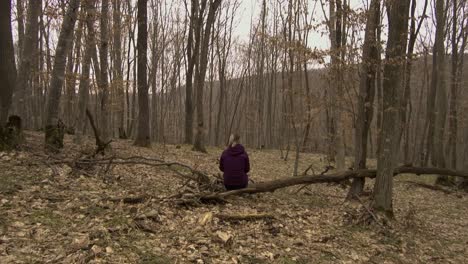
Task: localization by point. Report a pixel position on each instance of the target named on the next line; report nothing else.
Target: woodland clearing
(53, 214)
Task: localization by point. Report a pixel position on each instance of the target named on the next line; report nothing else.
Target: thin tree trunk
(25, 66)
(21, 31)
(83, 90)
(104, 83)
(439, 83)
(192, 55)
(406, 104)
(53, 135)
(366, 95)
(7, 61)
(117, 68)
(143, 133)
(199, 144)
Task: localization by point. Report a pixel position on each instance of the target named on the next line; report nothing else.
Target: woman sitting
(235, 164)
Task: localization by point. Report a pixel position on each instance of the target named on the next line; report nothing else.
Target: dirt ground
(54, 214)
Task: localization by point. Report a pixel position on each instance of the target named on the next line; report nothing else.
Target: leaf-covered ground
(53, 214)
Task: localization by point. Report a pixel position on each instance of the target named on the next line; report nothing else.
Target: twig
(327, 168)
(244, 217)
(368, 210)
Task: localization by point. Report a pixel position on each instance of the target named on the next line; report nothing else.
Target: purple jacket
(235, 164)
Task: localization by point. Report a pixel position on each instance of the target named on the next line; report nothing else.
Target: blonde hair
(233, 140)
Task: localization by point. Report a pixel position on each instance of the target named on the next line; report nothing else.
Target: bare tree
(438, 84)
(7, 60)
(104, 83)
(199, 143)
(394, 65)
(83, 90)
(143, 138)
(366, 94)
(53, 135)
(25, 65)
(334, 112)
(193, 41)
(459, 36)
(117, 80)
(406, 104)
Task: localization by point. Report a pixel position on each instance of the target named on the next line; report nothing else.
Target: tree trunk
(366, 95)
(406, 104)
(117, 68)
(83, 90)
(53, 135)
(192, 55)
(104, 84)
(199, 144)
(464, 182)
(143, 133)
(25, 66)
(335, 124)
(7, 61)
(21, 33)
(439, 83)
(394, 66)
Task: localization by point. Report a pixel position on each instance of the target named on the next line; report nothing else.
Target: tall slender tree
(366, 94)
(192, 57)
(143, 138)
(199, 143)
(439, 85)
(25, 65)
(53, 136)
(83, 90)
(104, 83)
(394, 66)
(7, 60)
(117, 71)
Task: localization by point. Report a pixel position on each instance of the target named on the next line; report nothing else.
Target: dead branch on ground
(244, 217)
(194, 175)
(330, 178)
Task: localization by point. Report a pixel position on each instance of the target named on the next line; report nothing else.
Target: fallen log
(336, 177)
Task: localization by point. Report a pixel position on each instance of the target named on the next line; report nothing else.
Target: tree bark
(53, 137)
(394, 66)
(199, 144)
(143, 138)
(192, 55)
(117, 67)
(335, 126)
(83, 90)
(104, 83)
(439, 83)
(25, 65)
(366, 95)
(7, 61)
(406, 104)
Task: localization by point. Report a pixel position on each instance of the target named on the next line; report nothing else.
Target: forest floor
(52, 214)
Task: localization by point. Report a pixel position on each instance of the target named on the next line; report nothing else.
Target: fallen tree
(206, 181)
(336, 177)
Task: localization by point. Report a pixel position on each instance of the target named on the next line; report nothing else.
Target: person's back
(235, 164)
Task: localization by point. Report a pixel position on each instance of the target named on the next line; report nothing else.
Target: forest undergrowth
(53, 213)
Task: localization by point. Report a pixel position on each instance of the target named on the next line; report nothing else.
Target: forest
(115, 116)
